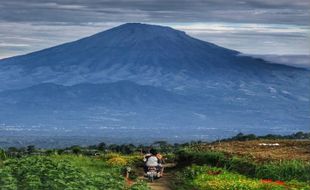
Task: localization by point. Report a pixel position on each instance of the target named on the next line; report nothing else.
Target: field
(263, 150)
(229, 165)
(248, 165)
(66, 172)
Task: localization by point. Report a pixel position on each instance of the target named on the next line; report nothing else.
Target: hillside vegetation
(231, 164)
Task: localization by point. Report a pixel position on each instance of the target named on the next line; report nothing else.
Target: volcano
(137, 78)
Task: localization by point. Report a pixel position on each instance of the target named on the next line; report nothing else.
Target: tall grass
(212, 178)
(88, 164)
(285, 170)
(242, 166)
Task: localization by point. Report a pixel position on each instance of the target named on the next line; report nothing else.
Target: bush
(286, 170)
(211, 178)
(117, 161)
(242, 166)
(211, 158)
(2, 154)
(40, 173)
(111, 155)
(140, 185)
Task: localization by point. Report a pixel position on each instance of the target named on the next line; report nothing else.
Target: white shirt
(152, 161)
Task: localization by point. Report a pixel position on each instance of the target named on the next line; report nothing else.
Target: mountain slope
(121, 93)
(145, 54)
(124, 109)
(137, 77)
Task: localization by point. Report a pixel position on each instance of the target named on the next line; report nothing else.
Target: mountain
(145, 54)
(120, 93)
(137, 77)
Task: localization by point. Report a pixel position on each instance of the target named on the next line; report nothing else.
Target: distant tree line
(93, 150)
(246, 137)
(161, 146)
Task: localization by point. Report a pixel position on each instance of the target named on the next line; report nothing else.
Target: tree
(51, 152)
(12, 149)
(60, 151)
(114, 147)
(102, 146)
(127, 148)
(2, 154)
(239, 136)
(76, 149)
(300, 135)
(164, 146)
(31, 149)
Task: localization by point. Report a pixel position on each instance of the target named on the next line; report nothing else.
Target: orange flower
(280, 182)
(266, 180)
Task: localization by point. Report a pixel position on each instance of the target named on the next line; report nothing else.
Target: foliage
(60, 172)
(31, 149)
(102, 166)
(76, 149)
(117, 161)
(132, 159)
(242, 165)
(243, 137)
(212, 158)
(170, 157)
(285, 170)
(205, 177)
(101, 146)
(140, 185)
(2, 155)
(246, 137)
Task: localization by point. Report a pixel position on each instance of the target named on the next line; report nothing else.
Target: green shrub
(2, 154)
(140, 185)
(53, 173)
(211, 158)
(117, 161)
(205, 177)
(242, 166)
(7, 180)
(286, 170)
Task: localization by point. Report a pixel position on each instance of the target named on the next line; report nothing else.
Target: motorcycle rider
(153, 161)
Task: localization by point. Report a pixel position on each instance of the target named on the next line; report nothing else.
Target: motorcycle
(153, 173)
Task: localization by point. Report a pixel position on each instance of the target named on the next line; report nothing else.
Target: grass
(93, 165)
(211, 170)
(58, 172)
(284, 170)
(212, 178)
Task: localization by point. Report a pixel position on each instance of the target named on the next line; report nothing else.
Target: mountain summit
(126, 45)
(147, 54)
(174, 82)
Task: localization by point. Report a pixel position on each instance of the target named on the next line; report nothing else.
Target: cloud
(302, 61)
(25, 37)
(245, 28)
(246, 11)
(13, 45)
(282, 26)
(53, 5)
(273, 38)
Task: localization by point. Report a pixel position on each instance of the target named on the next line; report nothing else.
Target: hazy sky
(249, 26)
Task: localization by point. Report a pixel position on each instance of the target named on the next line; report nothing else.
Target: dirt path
(164, 182)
